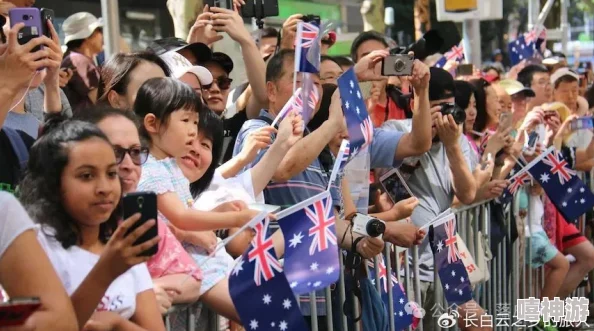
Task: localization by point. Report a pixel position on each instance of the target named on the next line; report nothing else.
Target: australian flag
(341, 161)
(403, 311)
(260, 291)
(358, 121)
(307, 100)
(451, 270)
(569, 194)
(517, 180)
(521, 49)
(311, 251)
(456, 54)
(307, 47)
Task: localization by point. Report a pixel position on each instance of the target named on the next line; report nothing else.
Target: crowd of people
(76, 136)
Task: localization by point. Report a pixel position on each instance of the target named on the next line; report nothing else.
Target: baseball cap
(221, 59)
(180, 66)
(441, 84)
(80, 26)
(512, 87)
(563, 72)
(162, 46)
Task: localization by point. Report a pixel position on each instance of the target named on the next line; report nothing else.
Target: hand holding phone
(395, 186)
(505, 121)
(530, 146)
(31, 18)
(144, 203)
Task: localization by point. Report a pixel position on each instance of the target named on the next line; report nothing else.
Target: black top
(232, 126)
(10, 170)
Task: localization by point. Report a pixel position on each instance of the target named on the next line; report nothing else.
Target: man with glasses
(537, 78)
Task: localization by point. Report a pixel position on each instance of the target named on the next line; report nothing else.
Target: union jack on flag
(341, 161)
(311, 251)
(310, 92)
(559, 167)
(456, 54)
(266, 263)
(307, 47)
(367, 130)
(518, 181)
(450, 241)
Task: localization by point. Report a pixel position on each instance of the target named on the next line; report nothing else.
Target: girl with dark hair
(71, 188)
(465, 99)
(487, 106)
(123, 74)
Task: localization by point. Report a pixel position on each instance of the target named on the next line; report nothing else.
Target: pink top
(171, 258)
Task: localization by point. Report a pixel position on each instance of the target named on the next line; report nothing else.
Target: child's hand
(204, 239)
(290, 130)
(245, 216)
(256, 141)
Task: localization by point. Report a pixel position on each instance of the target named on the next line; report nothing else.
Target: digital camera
(368, 226)
(311, 18)
(450, 108)
(397, 65)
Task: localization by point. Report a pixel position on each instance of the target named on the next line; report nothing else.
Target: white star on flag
(267, 299)
(582, 190)
(352, 84)
(461, 279)
(460, 291)
(582, 201)
(238, 266)
(564, 204)
(287, 304)
(358, 94)
(313, 266)
(346, 105)
(544, 178)
(294, 284)
(401, 300)
(358, 110)
(400, 313)
(316, 284)
(569, 190)
(447, 287)
(272, 324)
(296, 239)
(283, 326)
(453, 273)
(330, 270)
(253, 324)
(439, 246)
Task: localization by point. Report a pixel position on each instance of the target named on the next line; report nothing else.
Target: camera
(397, 65)
(450, 108)
(368, 226)
(311, 19)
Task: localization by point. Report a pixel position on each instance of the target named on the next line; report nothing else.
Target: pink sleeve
(171, 257)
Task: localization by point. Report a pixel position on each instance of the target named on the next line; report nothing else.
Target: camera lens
(399, 65)
(25, 17)
(375, 228)
(457, 113)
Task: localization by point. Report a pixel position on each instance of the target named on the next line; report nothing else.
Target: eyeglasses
(139, 155)
(222, 82)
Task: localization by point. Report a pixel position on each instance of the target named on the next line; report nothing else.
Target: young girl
(169, 110)
(72, 189)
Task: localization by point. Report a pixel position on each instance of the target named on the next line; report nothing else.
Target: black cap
(441, 84)
(162, 46)
(221, 59)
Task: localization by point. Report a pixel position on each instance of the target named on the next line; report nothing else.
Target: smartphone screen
(532, 140)
(582, 123)
(395, 186)
(465, 70)
(144, 203)
(505, 120)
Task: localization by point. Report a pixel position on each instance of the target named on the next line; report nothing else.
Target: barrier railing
(510, 275)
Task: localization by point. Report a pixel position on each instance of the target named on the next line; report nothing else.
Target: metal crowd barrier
(497, 296)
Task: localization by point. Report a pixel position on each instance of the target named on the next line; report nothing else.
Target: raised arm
(52, 97)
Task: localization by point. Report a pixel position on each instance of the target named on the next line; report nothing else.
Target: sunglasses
(139, 155)
(222, 82)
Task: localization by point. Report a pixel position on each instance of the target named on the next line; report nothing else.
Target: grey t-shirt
(431, 183)
(34, 103)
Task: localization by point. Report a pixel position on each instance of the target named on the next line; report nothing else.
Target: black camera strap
(353, 265)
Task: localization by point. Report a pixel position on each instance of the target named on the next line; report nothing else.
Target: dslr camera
(450, 108)
(368, 226)
(397, 65)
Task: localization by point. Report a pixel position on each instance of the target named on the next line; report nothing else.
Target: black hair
(211, 127)
(441, 84)
(42, 182)
(363, 37)
(480, 96)
(565, 79)
(115, 73)
(163, 96)
(590, 96)
(328, 58)
(274, 69)
(268, 32)
(526, 75)
(325, 157)
(464, 90)
(98, 113)
(343, 61)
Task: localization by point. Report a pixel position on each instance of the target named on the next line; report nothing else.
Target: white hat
(80, 26)
(563, 72)
(180, 66)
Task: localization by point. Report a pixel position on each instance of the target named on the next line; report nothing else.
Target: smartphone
(259, 8)
(31, 17)
(227, 4)
(16, 311)
(144, 203)
(548, 114)
(465, 70)
(47, 15)
(530, 145)
(271, 209)
(505, 120)
(395, 186)
(582, 123)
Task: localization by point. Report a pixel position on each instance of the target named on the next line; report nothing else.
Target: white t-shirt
(74, 264)
(14, 220)
(223, 190)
